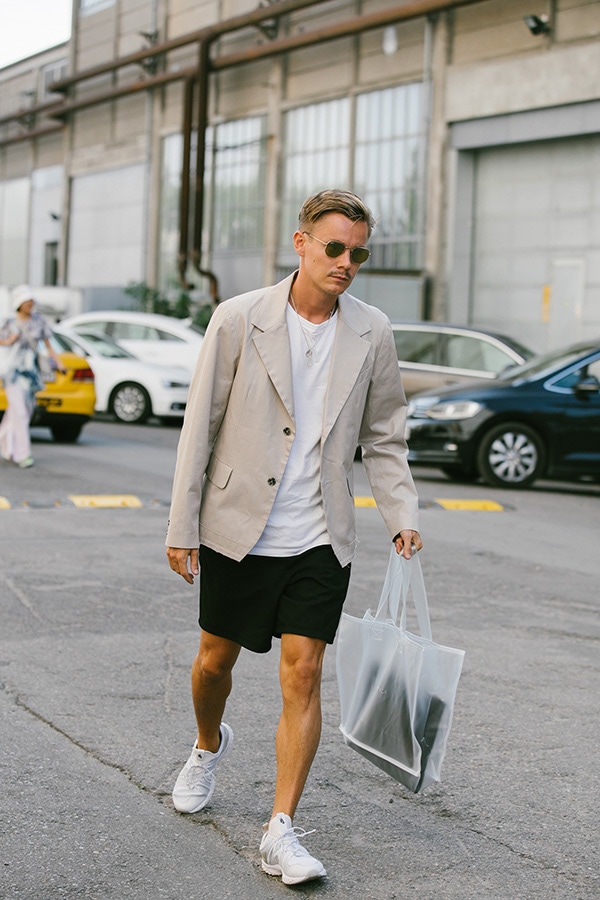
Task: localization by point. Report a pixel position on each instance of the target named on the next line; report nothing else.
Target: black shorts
(261, 597)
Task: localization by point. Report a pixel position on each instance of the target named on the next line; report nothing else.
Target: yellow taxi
(68, 399)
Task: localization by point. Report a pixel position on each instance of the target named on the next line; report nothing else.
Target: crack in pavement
(72, 740)
(23, 599)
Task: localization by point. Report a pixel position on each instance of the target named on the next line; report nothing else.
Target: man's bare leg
(211, 686)
(299, 727)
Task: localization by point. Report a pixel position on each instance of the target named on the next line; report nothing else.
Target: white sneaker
(283, 854)
(196, 781)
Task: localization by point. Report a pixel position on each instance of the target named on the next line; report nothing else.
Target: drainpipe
(184, 199)
(204, 37)
(202, 124)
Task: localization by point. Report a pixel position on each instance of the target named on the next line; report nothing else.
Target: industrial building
(172, 142)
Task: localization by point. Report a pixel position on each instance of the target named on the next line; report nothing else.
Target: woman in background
(22, 379)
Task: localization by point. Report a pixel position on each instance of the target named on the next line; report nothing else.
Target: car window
(573, 378)
(466, 352)
(105, 347)
(101, 326)
(58, 343)
(132, 331)
(73, 345)
(556, 359)
(416, 346)
(167, 336)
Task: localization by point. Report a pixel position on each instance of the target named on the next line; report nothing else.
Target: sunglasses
(336, 248)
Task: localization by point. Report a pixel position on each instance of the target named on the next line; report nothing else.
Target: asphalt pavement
(96, 641)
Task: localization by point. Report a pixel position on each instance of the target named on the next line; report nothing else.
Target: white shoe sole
(288, 879)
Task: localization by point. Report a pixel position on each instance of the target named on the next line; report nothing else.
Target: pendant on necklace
(309, 356)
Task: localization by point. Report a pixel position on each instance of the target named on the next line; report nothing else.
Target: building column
(436, 169)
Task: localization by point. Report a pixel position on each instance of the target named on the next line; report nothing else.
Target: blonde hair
(334, 201)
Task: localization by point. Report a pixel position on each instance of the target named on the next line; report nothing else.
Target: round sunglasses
(336, 248)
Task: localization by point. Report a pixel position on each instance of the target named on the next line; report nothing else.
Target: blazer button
(287, 430)
(271, 481)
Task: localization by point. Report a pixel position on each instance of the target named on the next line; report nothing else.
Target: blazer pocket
(218, 472)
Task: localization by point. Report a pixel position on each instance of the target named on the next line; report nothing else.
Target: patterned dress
(21, 383)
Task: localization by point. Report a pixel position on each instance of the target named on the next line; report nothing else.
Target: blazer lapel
(349, 353)
(272, 340)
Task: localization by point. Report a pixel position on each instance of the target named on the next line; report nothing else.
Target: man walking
(290, 379)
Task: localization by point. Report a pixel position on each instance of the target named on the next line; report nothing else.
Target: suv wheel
(511, 455)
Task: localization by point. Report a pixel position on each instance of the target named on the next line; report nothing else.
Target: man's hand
(406, 540)
(178, 560)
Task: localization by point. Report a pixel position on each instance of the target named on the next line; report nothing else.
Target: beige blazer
(239, 426)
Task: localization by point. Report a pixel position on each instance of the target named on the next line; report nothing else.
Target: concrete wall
(484, 73)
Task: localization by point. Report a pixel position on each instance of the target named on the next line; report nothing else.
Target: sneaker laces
(199, 776)
(289, 841)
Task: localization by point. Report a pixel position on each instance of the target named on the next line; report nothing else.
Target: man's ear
(299, 243)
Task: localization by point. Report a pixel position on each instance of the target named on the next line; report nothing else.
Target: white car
(149, 336)
(126, 387)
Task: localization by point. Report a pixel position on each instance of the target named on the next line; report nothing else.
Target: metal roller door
(536, 241)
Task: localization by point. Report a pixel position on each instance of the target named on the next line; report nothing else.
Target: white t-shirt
(297, 520)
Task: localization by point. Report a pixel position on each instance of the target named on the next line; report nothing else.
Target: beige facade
(420, 106)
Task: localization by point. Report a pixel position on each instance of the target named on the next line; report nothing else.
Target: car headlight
(175, 384)
(454, 409)
(418, 406)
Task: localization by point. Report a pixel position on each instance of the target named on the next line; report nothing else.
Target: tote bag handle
(403, 575)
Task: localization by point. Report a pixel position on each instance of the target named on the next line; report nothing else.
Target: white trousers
(15, 442)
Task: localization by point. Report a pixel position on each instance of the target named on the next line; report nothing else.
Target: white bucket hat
(20, 295)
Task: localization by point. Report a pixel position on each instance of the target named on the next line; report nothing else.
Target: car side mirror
(588, 385)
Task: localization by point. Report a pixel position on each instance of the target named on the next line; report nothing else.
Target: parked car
(431, 355)
(149, 336)
(68, 399)
(127, 388)
(540, 420)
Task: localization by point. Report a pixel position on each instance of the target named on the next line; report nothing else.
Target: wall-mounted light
(537, 24)
(268, 27)
(390, 40)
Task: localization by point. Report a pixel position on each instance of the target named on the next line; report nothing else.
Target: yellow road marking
(4, 504)
(445, 503)
(472, 505)
(104, 501)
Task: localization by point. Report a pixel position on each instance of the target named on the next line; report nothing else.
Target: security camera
(537, 24)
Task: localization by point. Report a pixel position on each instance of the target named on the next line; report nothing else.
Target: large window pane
(317, 156)
(388, 150)
(239, 169)
(168, 245)
(388, 173)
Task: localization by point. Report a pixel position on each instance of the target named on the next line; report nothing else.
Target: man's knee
(216, 658)
(301, 666)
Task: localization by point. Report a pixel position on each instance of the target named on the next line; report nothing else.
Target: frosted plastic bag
(397, 689)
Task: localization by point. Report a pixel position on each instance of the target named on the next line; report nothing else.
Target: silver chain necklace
(309, 354)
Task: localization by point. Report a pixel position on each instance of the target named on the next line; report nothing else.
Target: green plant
(152, 300)
(149, 299)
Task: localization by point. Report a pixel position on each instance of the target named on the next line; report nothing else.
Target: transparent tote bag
(397, 689)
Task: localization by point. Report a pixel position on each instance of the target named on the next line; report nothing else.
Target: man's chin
(340, 285)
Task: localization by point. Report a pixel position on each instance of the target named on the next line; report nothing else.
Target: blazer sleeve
(385, 451)
(206, 405)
